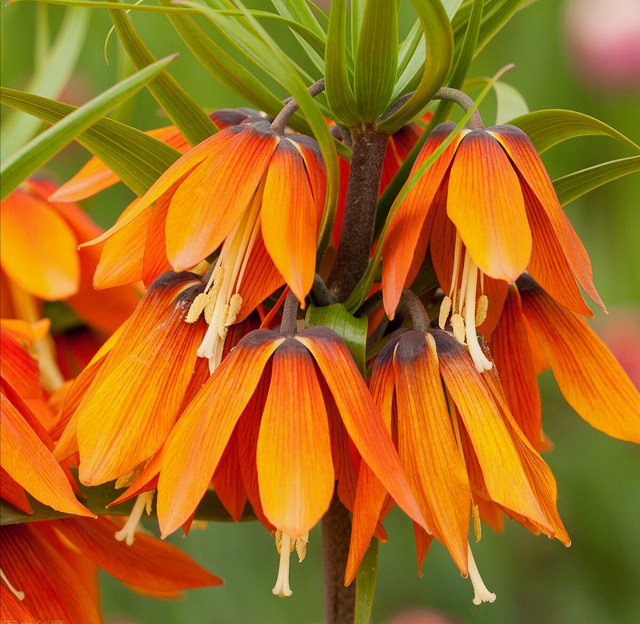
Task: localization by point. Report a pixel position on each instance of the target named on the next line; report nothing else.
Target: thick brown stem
(339, 601)
(369, 147)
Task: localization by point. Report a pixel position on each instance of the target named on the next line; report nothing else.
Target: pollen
(459, 331)
(445, 309)
(482, 309)
(477, 525)
(481, 593)
(128, 531)
(285, 546)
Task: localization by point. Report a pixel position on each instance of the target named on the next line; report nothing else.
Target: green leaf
(576, 184)
(366, 583)
(135, 157)
(511, 104)
(376, 59)
(357, 11)
(194, 124)
(97, 498)
(49, 79)
(547, 128)
(362, 289)
(32, 156)
(439, 55)
(352, 330)
(338, 87)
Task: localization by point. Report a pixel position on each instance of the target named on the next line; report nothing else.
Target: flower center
(286, 545)
(221, 301)
(128, 531)
(466, 312)
(18, 594)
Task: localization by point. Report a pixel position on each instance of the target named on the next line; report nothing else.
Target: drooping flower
(40, 257)
(460, 447)
(489, 210)
(291, 404)
(261, 196)
(588, 375)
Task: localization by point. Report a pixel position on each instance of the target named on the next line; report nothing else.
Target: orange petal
(423, 541)
(38, 247)
(360, 415)
(209, 148)
(295, 467)
(13, 493)
(155, 261)
(548, 265)
(491, 514)
(427, 445)
(406, 226)
(227, 480)
(148, 563)
(512, 355)
(18, 367)
(588, 375)
(529, 165)
(132, 410)
(289, 219)
(198, 440)
(212, 198)
(28, 461)
(502, 469)
(316, 170)
(485, 203)
(37, 563)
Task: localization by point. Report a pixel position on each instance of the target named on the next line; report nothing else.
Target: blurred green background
(597, 579)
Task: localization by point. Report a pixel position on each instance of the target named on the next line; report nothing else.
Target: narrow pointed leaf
(49, 78)
(547, 128)
(30, 158)
(575, 184)
(366, 583)
(194, 124)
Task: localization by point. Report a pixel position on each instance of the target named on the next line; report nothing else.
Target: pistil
(286, 545)
(128, 531)
(481, 593)
(18, 594)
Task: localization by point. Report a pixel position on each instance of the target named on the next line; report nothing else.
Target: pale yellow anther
(234, 309)
(18, 594)
(198, 305)
(222, 326)
(457, 324)
(477, 525)
(209, 310)
(126, 480)
(445, 309)
(301, 547)
(482, 309)
(481, 593)
(218, 278)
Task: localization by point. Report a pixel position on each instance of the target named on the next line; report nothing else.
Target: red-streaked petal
(295, 467)
(38, 247)
(316, 170)
(423, 541)
(406, 227)
(209, 148)
(18, 367)
(148, 563)
(512, 355)
(13, 493)
(360, 415)
(155, 261)
(212, 198)
(528, 163)
(198, 440)
(427, 445)
(28, 461)
(548, 265)
(486, 205)
(37, 563)
(502, 469)
(491, 514)
(289, 218)
(588, 375)
(131, 412)
(227, 480)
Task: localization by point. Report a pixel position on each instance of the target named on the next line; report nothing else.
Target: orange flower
(291, 401)
(262, 195)
(50, 569)
(588, 375)
(39, 254)
(454, 455)
(490, 212)
(26, 458)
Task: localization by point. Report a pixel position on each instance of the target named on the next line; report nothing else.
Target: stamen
(301, 547)
(478, 357)
(198, 305)
(481, 593)
(127, 533)
(18, 594)
(283, 543)
(477, 525)
(445, 308)
(456, 265)
(483, 308)
(457, 323)
(234, 309)
(222, 328)
(465, 281)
